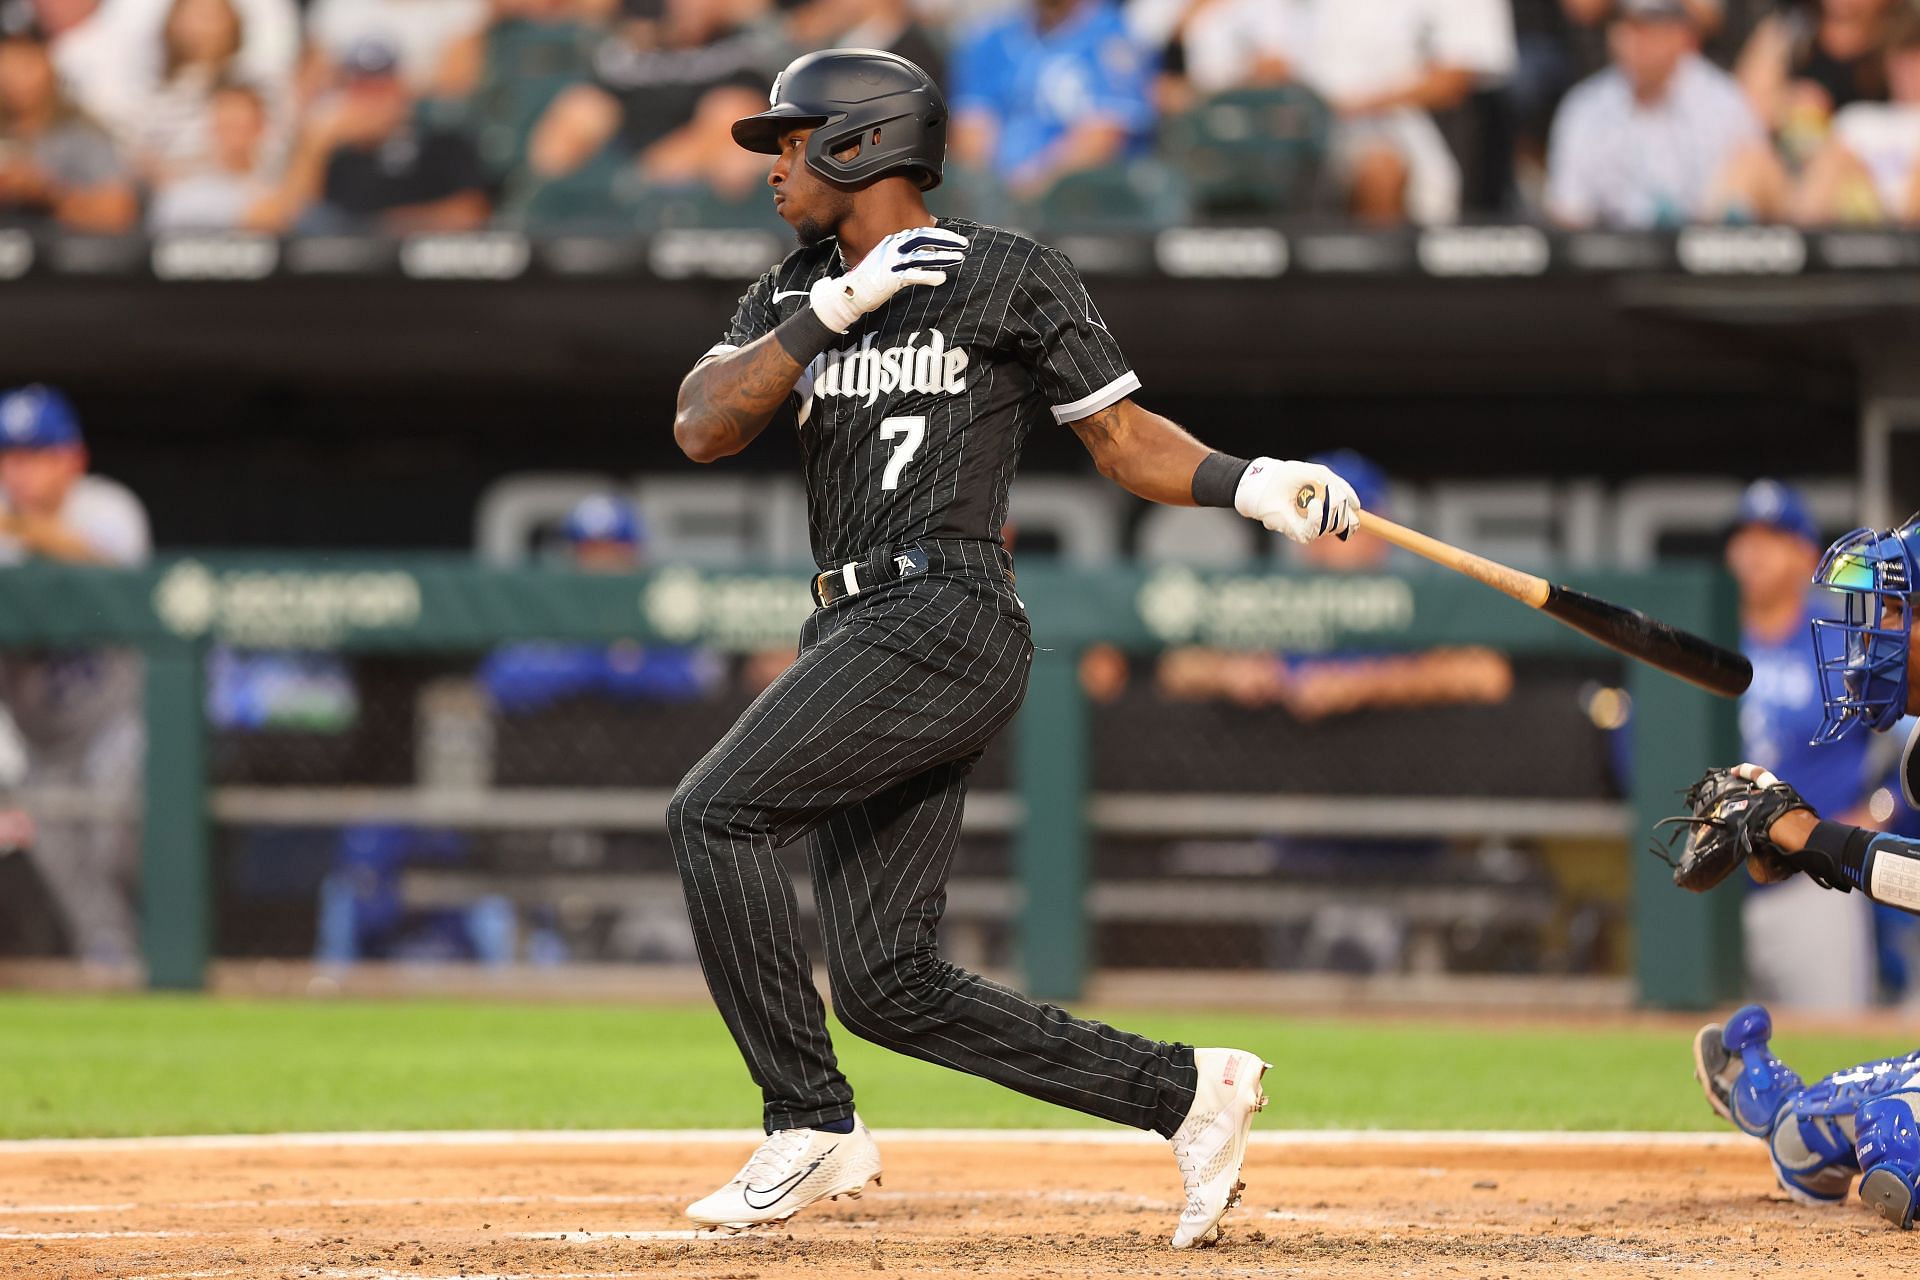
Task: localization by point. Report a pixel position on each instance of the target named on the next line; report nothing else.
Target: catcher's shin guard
(1743, 1080)
(1813, 1155)
(1889, 1154)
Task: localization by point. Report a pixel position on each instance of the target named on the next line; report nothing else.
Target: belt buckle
(827, 591)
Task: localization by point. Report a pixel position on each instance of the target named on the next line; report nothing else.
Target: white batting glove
(918, 255)
(1302, 500)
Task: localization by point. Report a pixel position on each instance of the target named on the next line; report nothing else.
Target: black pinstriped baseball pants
(864, 745)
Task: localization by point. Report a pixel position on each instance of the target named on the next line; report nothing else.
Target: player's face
(38, 479)
(605, 555)
(1770, 564)
(813, 207)
(1355, 555)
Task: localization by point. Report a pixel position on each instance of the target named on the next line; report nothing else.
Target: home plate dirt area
(579, 1206)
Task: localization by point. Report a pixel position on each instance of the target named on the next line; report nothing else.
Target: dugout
(1057, 804)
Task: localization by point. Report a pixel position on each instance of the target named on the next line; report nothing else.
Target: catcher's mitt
(1729, 814)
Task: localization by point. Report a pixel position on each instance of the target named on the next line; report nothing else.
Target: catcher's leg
(1889, 1153)
(1747, 1085)
(1857, 1119)
(1737, 1070)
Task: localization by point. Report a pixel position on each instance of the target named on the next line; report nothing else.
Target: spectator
(365, 164)
(168, 134)
(420, 31)
(1643, 143)
(1809, 61)
(1385, 66)
(118, 57)
(668, 84)
(891, 25)
(77, 711)
(57, 167)
(228, 192)
(1055, 89)
(1212, 46)
(1868, 170)
(1804, 946)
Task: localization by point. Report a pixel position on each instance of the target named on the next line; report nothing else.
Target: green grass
(149, 1065)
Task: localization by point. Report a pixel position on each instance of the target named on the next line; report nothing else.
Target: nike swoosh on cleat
(783, 1189)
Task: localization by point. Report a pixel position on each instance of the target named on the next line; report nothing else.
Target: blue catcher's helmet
(1862, 657)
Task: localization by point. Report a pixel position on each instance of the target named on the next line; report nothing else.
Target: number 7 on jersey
(915, 430)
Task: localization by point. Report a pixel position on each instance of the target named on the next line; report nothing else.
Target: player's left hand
(1272, 492)
(915, 256)
(1729, 820)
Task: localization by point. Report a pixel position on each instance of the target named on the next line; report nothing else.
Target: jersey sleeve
(753, 319)
(1077, 365)
(114, 524)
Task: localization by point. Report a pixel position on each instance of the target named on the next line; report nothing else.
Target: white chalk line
(331, 1202)
(376, 1273)
(99, 1235)
(1111, 1199)
(1289, 1138)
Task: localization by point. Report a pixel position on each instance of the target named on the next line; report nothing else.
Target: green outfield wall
(1687, 948)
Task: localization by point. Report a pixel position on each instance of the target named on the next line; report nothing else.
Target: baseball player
(914, 355)
(78, 711)
(1861, 1120)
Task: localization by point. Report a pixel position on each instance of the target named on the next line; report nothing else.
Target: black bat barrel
(1680, 653)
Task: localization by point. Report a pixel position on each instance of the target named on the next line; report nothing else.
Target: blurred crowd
(396, 116)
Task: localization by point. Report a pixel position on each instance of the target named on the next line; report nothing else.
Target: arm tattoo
(730, 399)
(1101, 431)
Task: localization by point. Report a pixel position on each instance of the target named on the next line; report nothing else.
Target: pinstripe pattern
(1034, 343)
(864, 745)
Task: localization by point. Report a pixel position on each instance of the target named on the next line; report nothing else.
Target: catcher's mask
(883, 107)
(1862, 657)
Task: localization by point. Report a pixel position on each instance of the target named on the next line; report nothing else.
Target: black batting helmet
(892, 109)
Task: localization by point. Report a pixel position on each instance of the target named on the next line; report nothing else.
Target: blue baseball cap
(602, 519)
(1363, 473)
(37, 417)
(1774, 505)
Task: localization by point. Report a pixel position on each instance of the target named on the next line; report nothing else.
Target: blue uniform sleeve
(660, 675)
(527, 677)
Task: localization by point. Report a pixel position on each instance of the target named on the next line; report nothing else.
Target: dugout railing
(1686, 949)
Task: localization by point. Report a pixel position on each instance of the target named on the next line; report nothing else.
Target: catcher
(1861, 1120)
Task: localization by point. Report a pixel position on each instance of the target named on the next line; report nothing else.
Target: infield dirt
(543, 1211)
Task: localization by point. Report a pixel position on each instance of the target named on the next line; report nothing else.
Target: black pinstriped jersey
(911, 425)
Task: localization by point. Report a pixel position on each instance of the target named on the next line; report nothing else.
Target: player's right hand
(1302, 500)
(918, 255)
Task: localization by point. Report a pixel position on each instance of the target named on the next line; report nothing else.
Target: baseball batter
(915, 355)
(1861, 1121)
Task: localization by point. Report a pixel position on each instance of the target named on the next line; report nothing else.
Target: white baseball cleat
(792, 1169)
(1211, 1143)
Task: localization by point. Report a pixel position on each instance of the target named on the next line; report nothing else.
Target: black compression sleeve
(803, 336)
(1216, 479)
(1836, 855)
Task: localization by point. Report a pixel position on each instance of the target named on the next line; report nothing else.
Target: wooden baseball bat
(1644, 639)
